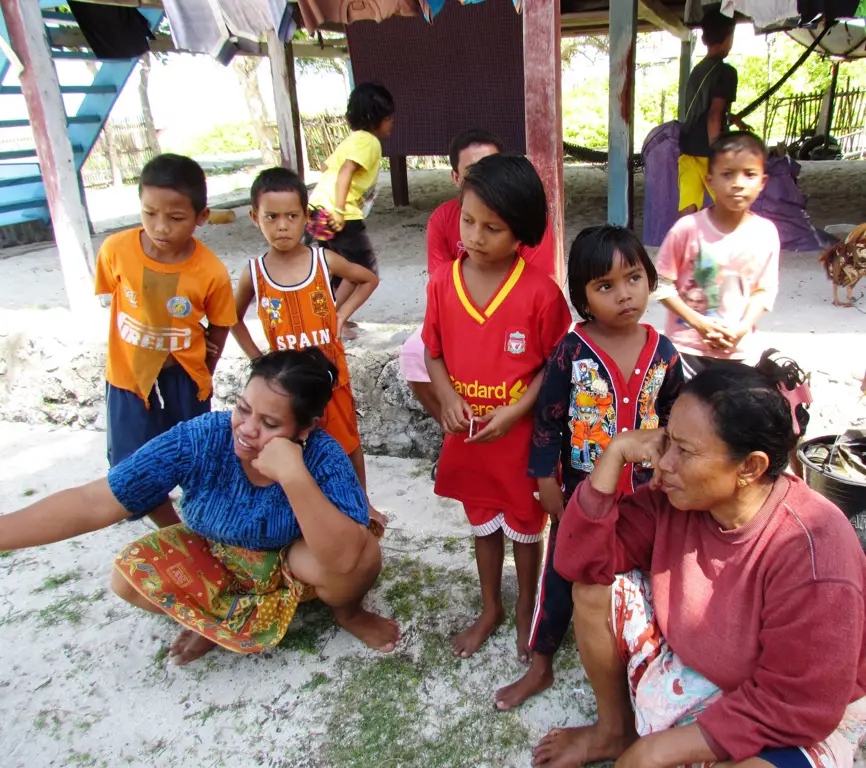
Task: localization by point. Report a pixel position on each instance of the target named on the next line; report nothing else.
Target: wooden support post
(542, 89)
(288, 115)
(399, 181)
(687, 48)
(41, 91)
(620, 171)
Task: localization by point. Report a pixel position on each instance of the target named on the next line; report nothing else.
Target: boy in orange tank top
(291, 287)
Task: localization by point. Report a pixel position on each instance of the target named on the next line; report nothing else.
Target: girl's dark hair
(305, 374)
(278, 179)
(509, 186)
(592, 256)
(369, 106)
(749, 411)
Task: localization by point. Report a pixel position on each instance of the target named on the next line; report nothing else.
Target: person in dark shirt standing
(710, 91)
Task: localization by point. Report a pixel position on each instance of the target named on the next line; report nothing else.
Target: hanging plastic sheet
(112, 32)
(429, 8)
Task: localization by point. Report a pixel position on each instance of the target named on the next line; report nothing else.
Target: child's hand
(455, 414)
(497, 423)
(338, 220)
(714, 333)
(211, 349)
(550, 497)
(733, 335)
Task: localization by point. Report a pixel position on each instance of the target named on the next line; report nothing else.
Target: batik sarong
(665, 693)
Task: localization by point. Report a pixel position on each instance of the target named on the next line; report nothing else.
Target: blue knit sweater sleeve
(142, 481)
(332, 470)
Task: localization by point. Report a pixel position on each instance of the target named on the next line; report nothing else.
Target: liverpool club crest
(516, 343)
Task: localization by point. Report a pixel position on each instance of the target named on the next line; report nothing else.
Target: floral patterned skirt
(242, 599)
(665, 693)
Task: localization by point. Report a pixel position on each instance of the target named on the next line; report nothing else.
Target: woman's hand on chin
(640, 446)
(281, 460)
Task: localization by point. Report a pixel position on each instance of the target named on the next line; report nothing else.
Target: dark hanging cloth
(832, 9)
(111, 31)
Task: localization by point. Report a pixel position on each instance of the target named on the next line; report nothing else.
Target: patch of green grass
(381, 715)
(419, 588)
(80, 758)
(320, 678)
(52, 582)
(30, 492)
(47, 719)
(160, 656)
(212, 709)
(451, 545)
(6, 553)
(310, 629)
(69, 609)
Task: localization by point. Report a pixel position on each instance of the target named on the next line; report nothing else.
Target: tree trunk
(144, 99)
(245, 67)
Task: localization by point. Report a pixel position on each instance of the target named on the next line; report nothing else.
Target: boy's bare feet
(473, 637)
(573, 747)
(538, 678)
(374, 631)
(189, 646)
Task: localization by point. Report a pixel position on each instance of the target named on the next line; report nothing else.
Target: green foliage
(228, 138)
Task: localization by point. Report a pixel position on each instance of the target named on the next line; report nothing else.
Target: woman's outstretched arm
(62, 516)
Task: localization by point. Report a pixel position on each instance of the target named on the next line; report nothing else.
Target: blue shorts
(173, 399)
(791, 757)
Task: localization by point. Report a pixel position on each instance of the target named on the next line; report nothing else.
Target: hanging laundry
(316, 13)
(198, 26)
(765, 14)
(431, 8)
(112, 32)
(222, 28)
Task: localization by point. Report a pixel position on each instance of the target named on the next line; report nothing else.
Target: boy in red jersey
(492, 320)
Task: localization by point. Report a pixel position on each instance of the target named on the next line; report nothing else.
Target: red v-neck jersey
(492, 354)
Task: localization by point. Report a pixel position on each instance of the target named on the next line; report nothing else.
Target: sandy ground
(85, 680)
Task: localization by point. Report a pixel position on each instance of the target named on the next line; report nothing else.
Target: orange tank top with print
(301, 315)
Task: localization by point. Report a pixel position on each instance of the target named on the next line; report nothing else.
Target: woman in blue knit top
(273, 516)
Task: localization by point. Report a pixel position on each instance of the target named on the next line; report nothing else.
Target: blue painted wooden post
(623, 42)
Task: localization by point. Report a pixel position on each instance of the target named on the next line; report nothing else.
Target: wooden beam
(286, 102)
(41, 91)
(663, 18)
(64, 37)
(542, 93)
(399, 181)
(687, 48)
(620, 176)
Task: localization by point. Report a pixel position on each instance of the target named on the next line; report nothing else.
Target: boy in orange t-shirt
(163, 283)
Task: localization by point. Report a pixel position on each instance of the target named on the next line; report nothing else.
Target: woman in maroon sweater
(726, 599)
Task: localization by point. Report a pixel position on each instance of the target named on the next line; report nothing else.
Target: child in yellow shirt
(344, 195)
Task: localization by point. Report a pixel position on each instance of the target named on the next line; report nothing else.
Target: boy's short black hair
(369, 106)
(737, 141)
(509, 186)
(468, 139)
(717, 27)
(182, 174)
(592, 256)
(278, 179)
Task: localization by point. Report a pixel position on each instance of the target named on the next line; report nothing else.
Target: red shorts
(485, 521)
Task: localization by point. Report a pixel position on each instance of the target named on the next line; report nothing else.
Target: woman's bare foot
(189, 646)
(473, 637)
(538, 678)
(379, 517)
(523, 618)
(573, 747)
(374, 631)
